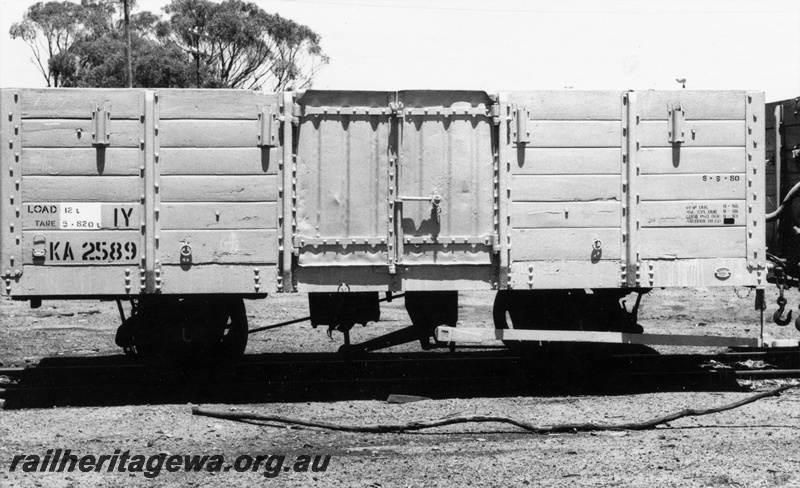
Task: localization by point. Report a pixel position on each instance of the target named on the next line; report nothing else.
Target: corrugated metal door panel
(565, 218)
(342, 184)
(217, 195)
(342, 177)
(447, 152)
(80, 204)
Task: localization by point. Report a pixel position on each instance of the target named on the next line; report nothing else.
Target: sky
(498, 45)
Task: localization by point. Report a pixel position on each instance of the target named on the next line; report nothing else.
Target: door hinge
(101, 116)
(520, 131)
(677, 122)
(269, 122)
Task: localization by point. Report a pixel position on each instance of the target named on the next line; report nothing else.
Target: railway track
(291, 377)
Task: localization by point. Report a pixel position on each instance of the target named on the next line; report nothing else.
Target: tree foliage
(236, 44)
(50, 30)
(232, 44)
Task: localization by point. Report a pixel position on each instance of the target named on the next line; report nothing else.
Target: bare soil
(755, 445)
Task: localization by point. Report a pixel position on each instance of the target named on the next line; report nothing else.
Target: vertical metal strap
(778, 114)
(148, 144)
(503, 167)
(289, 193)
(630, 197)
(396, 230)
(10, 189)
(756, 186)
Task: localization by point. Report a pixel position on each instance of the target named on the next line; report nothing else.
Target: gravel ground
(755, 445)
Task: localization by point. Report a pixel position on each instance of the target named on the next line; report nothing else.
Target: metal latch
(268, 124)
(397, 109)
(39, 247)
(676, 122)
(101, 136)
(186, 254)
(435, 200)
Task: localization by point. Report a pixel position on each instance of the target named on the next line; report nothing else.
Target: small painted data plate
(712, 213)
(693, 213)
(80, 216)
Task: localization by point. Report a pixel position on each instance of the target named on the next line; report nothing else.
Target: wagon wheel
(508, 312)
(233, 328)
(193, 327)
(216, 327)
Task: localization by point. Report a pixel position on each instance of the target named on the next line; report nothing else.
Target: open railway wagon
(561, 203)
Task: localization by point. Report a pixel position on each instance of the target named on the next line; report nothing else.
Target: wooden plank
(219, 161)
(76, 133)
(565, 214)
(212, 104)
(692, 187)
(478, 335)
(549, 133)
(698, 272)
(707, 133)
(218, 279)
(690, 243)
(570, 105)
(693, 213)
(697, 105)
(561, 274)
(697, 160)
(208, 133)
(565, 244)
(81, 189)
(552, 161)
(83, 248)
(70, 103)
(80, 162)
(219, 188)
(174, 216)
(565, 188)
(219, 246)
(77, 281)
